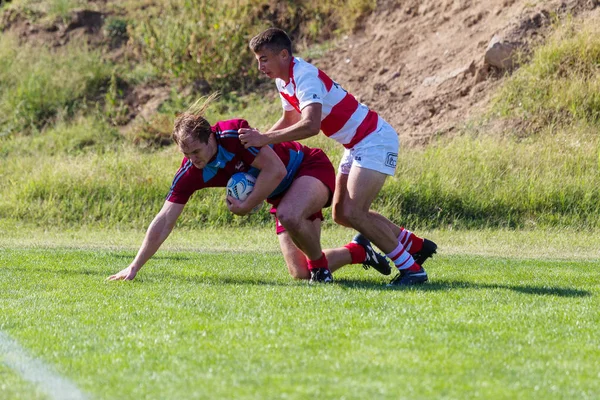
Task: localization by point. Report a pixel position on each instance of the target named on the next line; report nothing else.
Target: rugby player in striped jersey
(313, 102)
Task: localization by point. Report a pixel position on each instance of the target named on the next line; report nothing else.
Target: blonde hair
(191, 124)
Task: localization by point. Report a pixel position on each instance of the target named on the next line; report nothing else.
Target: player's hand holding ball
(239, 187)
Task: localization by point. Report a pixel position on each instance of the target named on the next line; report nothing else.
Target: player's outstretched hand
(128, 274)
(251, 137)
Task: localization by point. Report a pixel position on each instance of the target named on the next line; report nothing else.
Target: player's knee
(340, 219)
(299, 275)
(343, 212)
(289, 220)
(298, 272)
(354, 217)
(338, 215)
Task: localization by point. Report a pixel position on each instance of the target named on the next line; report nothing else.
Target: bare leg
(354, 196)
(302, 238)
(306, 196)
(395, 228)
(341, 192)
(296, 261)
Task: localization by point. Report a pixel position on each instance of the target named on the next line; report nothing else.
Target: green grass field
(506, 315)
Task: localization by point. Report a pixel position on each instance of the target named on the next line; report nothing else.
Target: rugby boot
(374, 259)
(320, 275)
(409, 278)
(428, 250)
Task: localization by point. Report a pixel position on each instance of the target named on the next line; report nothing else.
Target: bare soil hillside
(420, 64)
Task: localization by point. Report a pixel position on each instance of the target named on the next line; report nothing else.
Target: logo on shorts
(391, 159)
(239, 165)
(315, 96)
(358, 158)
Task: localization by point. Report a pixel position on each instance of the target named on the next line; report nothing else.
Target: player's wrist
(134, 267)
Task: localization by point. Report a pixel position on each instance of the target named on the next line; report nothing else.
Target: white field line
(35, 371)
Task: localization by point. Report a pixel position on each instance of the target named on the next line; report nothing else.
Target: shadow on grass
(211, 279)
(101, 271)
(222, 280)
(438, 285)
(370, 285)
(155, 257)
(57, 270)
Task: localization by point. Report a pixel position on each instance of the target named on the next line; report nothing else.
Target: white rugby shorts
(378, 151)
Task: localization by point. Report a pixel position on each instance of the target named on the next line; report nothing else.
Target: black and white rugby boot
(374, 259)
(428, 250)
(320, 275)
(409, 278)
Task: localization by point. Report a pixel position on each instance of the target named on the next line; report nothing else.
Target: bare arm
(159, 229)
(309, 124)
(288, 119)
(272, 172)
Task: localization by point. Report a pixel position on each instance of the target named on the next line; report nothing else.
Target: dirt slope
(416, 61)
(419, 63)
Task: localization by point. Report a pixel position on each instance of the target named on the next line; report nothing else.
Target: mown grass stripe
(35, 371)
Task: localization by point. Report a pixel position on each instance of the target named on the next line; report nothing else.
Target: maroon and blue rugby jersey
(231, 157)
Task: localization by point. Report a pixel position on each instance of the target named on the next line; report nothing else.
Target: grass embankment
(64, 160)
(543, 170)
(75, 167)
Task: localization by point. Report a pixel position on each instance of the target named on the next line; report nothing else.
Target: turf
(213, 324)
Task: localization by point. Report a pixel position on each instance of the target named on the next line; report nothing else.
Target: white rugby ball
(240, 185)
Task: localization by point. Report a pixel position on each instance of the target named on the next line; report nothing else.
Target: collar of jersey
(222, 157)
(291, 73)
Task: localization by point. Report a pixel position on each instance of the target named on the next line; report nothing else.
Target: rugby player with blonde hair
(298, 181)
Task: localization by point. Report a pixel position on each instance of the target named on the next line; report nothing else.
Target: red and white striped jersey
(343, 118)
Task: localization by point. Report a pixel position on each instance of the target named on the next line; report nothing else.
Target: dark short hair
(274, 39)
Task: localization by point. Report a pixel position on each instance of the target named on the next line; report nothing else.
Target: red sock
(357, 252)
(411, 242)
(320, 263)
(402, 259)
(415, 267)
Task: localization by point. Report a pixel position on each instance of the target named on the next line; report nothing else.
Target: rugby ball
(240, 185)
